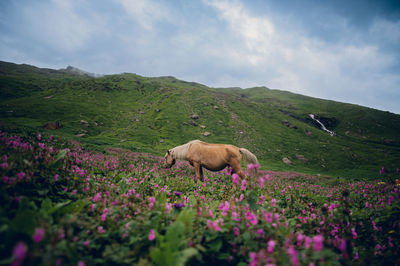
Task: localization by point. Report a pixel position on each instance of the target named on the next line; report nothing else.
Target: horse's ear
(169, 152)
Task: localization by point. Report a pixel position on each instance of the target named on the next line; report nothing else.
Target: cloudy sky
(341, 50)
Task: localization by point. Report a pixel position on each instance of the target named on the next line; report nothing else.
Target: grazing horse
(213, 157)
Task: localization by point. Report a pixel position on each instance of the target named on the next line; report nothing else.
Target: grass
(153, 115)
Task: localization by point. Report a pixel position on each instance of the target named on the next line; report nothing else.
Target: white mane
(179, 152)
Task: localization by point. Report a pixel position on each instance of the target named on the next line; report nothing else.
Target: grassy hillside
(154, 114)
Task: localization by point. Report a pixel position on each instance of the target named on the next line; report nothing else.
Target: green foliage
(171, 249)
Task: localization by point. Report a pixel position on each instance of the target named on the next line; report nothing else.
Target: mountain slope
(154, 114)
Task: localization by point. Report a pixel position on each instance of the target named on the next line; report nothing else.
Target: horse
(213, 157)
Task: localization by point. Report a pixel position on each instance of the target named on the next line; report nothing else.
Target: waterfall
(322, 125)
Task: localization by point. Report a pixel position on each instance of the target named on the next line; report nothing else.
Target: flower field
(64, 205)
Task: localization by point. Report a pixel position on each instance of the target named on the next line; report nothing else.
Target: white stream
(322, 125)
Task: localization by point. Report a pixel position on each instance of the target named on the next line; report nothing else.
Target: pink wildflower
(354, 233)
(307, 241)
(213, 225)
(261, 181)
(235, 178)
(236, 231)
(97, 197)
(151, 201)
(19, 253)
(56, 177)
(243, 186)
(342, 245)
(241, 197)
(293, 256)
(268, 217)
(21, 175)
(253, 259)
(168, 207)
(4, 165)
(86, 243)
(318, 242)
(271, 245)
(235, 216)
(152, 235)
(224, 207)
(251, 217)
(38, 235)
(273, 202)
(266, 177)
(100, 229)
(104, 215)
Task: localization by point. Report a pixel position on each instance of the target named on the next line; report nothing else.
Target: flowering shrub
(62, 204)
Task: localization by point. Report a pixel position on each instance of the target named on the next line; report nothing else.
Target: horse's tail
(248, 156)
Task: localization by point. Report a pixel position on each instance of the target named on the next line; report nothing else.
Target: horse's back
(214, 151)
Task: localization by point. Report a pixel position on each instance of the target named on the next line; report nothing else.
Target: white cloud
(145, 12)
(59, 25)
(386, 30)
(290, 60)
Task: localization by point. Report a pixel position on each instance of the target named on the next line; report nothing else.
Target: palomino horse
(213, 157)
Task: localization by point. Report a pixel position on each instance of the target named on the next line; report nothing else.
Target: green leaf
(216, 245)
(176, 235)
(60, 155)
(185, 255)
(186, 217)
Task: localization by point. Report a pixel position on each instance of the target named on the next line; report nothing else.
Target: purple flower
(177, 193)
(19, 253)
(179, 205)
(38, 235)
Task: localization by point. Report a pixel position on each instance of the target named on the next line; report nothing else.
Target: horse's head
(169, 160)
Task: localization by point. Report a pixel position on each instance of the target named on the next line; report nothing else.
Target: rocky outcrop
(286, 160)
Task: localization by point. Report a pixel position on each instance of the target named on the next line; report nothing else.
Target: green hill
(154, 114)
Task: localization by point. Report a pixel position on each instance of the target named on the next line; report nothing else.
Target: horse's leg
(237, 169)
(197, 169)
(201, 173)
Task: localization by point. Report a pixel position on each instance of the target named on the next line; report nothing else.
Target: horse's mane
(179, 152)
